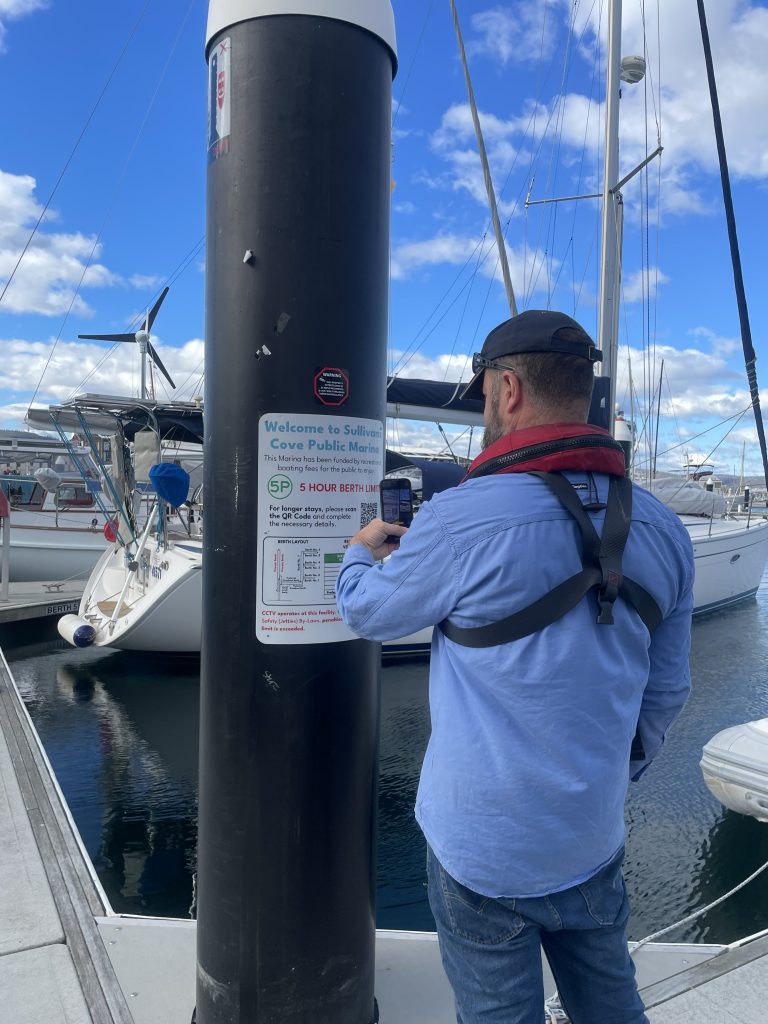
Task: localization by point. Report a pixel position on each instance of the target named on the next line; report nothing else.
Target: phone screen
(396, 501)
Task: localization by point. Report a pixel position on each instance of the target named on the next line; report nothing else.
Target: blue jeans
(491, 950)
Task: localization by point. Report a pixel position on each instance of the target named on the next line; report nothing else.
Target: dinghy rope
(697, 913)
(554, 1012)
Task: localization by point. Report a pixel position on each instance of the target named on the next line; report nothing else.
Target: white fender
(76, 631)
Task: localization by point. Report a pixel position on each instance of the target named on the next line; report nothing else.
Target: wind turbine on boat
(141, 338)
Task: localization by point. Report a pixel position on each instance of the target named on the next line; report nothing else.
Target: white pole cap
(376, 16)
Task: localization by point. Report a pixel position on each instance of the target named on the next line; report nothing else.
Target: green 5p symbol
(279, 486)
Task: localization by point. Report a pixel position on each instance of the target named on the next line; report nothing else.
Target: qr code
(368, 511)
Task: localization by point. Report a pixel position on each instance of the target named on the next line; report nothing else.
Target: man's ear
(512, 391)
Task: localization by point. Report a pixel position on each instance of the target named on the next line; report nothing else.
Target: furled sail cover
(170, 482)
(688, 498)
(146, 452)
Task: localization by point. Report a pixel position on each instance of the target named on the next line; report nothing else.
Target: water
(121, 733)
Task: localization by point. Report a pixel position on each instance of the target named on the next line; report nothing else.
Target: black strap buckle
(607, 595)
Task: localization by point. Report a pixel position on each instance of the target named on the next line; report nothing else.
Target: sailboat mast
(143, 351)
(610, 264)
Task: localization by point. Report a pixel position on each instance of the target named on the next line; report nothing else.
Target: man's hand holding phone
(380, 538)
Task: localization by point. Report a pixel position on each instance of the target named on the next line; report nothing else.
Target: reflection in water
(121, 733)
(402, 893)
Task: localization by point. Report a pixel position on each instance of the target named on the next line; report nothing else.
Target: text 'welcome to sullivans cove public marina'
(244, 634)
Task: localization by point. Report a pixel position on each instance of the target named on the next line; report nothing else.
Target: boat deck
(65, 958)
(40, 600)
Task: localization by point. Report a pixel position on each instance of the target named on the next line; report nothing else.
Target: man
(539, 718)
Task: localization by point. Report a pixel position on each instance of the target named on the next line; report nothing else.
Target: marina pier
(40, 600)
(67, 958)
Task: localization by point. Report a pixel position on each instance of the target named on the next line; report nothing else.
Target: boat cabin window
(21, 492)
(74, 496)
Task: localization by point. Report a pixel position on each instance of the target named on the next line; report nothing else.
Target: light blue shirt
(524, 779)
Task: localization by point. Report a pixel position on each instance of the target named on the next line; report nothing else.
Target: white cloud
(410, 256)
(24, 362)
(445, 367)
(523, 33)
(18, 8)
(145, 281)
(12, 416)
(55, 265)
(739, 34)
(15, 9)
(525, 266)
(637, 286)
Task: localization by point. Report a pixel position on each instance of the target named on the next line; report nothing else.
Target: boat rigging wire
(530, 131)
(413, 62)
(486, 169)
(738, 416)
(557, 113)
(461, 323)
(556, 151)
(194, 373)
(411, 352)
(74, 149)
(738, 279)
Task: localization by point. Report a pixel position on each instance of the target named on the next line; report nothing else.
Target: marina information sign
(318, 484)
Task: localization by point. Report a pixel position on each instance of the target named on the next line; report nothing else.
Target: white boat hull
(163, 612)
(730, 556)
(39, 553)
(161, 607)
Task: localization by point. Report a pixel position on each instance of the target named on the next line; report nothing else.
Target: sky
(105, 137)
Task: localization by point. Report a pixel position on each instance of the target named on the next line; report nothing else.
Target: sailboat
(160, 609)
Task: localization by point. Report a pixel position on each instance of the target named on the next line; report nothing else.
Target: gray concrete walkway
(54, 966)
(40, 600)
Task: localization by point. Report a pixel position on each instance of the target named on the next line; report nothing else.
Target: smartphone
(396, 500)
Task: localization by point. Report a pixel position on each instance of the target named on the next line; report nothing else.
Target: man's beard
(493, 430)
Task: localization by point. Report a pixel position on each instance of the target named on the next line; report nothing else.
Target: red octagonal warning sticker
(331, 385)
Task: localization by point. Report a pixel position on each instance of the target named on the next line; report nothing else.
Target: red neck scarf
(550, 448)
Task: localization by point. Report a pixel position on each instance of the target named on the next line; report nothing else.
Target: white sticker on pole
(219, 100)
(318, 484)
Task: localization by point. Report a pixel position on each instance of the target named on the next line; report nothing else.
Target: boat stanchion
(5, 549)
(296, 327)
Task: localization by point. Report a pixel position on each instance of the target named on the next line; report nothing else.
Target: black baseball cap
(535, 330)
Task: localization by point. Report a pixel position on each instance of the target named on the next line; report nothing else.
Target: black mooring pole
(296, 296)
